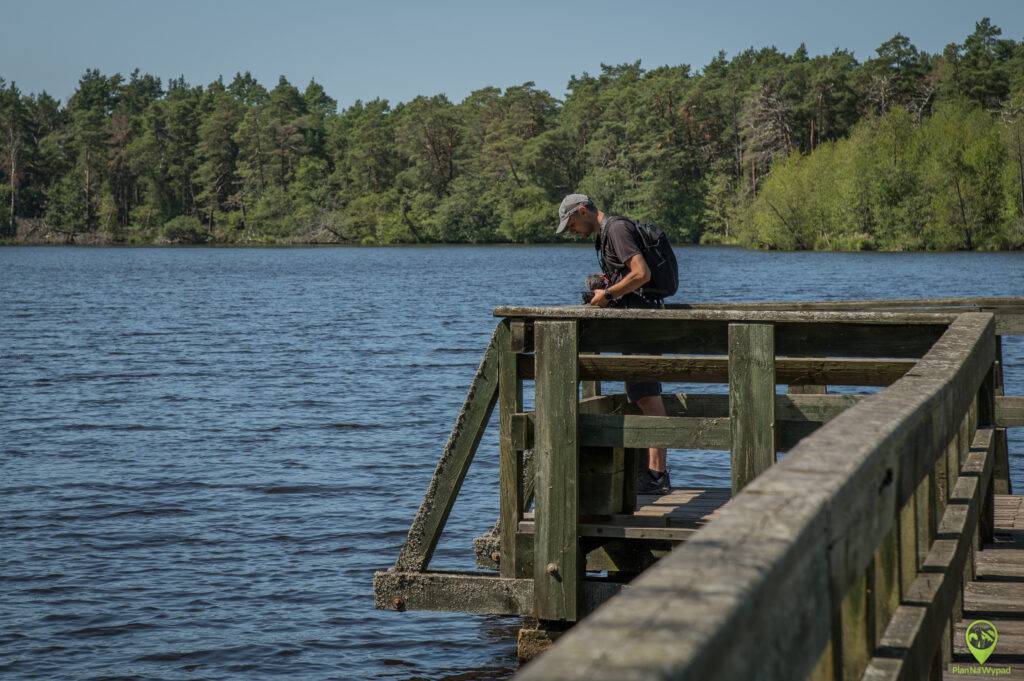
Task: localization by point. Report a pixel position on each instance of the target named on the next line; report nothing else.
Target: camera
(594, 282)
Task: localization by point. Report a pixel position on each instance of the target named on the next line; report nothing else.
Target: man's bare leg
(657, 458)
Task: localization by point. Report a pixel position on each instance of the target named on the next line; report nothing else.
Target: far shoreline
(501, 244)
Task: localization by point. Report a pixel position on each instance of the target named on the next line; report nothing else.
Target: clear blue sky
(396, 50)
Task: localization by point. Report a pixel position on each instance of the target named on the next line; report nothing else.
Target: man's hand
(600, 298)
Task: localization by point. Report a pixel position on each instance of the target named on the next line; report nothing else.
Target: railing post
(558, 564)
(751, 400)
(510, 473)
(986, 418)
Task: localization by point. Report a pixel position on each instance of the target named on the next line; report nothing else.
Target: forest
(906, 150)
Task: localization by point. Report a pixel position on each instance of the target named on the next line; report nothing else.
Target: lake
(207, 452)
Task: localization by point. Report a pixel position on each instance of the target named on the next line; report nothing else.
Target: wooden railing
(844, 559)
(823, 559)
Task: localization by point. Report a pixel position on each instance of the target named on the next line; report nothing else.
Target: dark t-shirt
(615, 246)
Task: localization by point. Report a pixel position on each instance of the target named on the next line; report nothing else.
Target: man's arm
(639, 274)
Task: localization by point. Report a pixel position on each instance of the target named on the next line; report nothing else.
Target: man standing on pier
(639, 263)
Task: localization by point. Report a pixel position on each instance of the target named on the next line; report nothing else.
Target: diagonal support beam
(452, 466)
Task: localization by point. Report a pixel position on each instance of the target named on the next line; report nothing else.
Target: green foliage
(185, 229)
(954, 181)
(907, 150)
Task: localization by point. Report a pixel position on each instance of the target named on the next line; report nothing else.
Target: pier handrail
(848, 554)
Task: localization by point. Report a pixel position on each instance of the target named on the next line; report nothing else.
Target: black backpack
(658, 253)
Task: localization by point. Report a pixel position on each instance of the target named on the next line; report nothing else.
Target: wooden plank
(612, 555)
(979, 464)
(926, 522)
(1010, 324)
(819, 408)
(700, 421)
(1000, 565)
(451, 468)
(600, 473)
(954, 304)
(685, 507)
(682, 508)
(591, 388)
(1008, 310)
(1001, 474)
(1010, 647)
(450, 591)
(679, 432)
(906, 526)
(807, 389)
(830, 501)
(730, 312)
(675, 534)
(1009, 411)
(816, 339)
(855, 629)
(715, 369)
(751, 401)
(558, 564)
(510, 473)
(983, 600)
(885, 591)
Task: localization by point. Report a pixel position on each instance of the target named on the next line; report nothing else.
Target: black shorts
(636, 391)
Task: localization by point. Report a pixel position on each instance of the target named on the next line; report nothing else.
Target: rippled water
(207, 452)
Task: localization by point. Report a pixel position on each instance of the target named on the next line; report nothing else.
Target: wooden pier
(886, 526)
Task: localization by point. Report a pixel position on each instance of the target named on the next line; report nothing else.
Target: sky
(397, 50)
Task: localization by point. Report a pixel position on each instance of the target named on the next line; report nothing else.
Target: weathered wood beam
(1008, 310)
(793, 407)
(751, 401)
(800, 339)
(728, 313)
(472, 592)
(672, 432)
(558, 564)
(807, 389)
(618, 555)
(510, 471)
(1009, 411)
(451, 468)
(609, 531)
(715, 369)
(957, 304)
(830, 502)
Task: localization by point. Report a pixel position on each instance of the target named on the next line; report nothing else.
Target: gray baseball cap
(569, 204)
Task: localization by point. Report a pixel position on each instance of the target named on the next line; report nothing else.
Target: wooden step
(998, 564)
(1009, 647)
(993, 600)
(671, 517)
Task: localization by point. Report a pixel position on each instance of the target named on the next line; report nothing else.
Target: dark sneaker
(664, 483)
(649, 482)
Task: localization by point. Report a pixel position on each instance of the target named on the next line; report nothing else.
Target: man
(619, 247)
